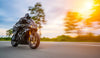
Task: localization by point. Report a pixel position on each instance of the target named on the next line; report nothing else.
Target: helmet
(27, 15)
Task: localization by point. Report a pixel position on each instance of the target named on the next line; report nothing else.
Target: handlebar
(26, 25)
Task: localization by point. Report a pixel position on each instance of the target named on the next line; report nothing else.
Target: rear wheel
(34, 41)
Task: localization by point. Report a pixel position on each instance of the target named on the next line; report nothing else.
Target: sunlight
(86, 29)
(86, 8)
(88, 5)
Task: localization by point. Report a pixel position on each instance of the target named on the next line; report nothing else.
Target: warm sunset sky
(55, 10)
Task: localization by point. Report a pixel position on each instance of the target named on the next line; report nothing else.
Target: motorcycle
(26, 34)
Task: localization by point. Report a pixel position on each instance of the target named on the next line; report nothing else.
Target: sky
(55, 10)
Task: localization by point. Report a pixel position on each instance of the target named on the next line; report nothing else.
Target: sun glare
(88, 5)
(86, 8)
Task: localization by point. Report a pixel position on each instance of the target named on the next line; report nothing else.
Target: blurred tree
(90, 34)
(9, 32)
(38, 15)
(95, 16)
(71, 22)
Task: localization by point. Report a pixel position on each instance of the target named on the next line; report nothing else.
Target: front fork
(31, 36)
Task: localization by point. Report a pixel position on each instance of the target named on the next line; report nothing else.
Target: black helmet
(27, 15)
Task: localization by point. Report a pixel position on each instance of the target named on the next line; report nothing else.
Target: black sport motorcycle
(25, 34)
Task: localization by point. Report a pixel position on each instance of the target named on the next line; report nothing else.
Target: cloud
(2, 12)
(2, 32)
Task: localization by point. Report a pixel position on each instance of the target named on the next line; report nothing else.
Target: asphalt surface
(51, 50)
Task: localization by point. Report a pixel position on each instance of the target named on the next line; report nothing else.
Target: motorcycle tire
(37, 37)
(14, 43)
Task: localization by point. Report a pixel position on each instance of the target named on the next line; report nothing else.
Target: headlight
(31, 26)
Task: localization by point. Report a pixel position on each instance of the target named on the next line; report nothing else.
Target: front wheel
(34, 41)
(13, 43)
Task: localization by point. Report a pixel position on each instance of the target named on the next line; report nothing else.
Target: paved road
(51, 50)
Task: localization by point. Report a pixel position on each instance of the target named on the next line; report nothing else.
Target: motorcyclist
(24, 20)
